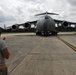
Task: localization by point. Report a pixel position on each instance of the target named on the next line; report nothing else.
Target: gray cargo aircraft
(45, 25)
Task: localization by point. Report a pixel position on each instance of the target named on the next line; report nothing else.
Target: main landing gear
(54, 33)
(45, 34)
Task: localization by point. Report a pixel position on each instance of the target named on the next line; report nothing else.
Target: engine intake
(65, 24)
(27, 25)
(15, 27)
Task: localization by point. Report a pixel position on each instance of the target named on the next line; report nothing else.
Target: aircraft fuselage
(45, 25)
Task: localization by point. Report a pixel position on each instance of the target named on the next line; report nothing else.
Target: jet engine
(27, 25)
(15, 27)
(65, 24)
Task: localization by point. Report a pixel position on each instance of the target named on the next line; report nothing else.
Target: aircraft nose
(45, 25)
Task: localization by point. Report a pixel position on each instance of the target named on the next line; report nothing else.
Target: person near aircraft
(4, 54)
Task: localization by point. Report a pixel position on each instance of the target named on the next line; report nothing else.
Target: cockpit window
(46, 17)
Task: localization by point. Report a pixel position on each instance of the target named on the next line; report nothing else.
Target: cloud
(5, 16)
(69, 6)
(20, 11)
(72, 2)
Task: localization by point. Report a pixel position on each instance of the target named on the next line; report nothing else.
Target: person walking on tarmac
(4, 54)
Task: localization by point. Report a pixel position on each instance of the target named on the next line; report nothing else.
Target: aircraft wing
(33, 22)
(26, 25)
(11, 27)
(60, 21)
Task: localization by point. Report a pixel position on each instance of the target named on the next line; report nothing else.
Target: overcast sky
(20, 11)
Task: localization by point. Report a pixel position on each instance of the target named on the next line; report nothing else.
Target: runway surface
(37, 55)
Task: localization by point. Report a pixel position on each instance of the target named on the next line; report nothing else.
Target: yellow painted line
(68, 44)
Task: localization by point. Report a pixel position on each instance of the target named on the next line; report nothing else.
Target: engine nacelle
(65, 24)
(15, 27)
(27, 25)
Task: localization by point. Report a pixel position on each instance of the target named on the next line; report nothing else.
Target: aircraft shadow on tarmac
(36, 35)
(67, 34)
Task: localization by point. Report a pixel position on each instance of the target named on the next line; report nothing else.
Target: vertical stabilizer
(4, 26)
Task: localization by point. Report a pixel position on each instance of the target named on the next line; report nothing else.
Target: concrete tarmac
(70, 38)
(37, 55)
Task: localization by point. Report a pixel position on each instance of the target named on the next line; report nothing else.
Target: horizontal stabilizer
(46, 13)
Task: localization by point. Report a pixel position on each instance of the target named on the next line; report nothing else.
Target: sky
(21, 11)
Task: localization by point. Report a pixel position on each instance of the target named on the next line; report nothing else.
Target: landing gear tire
(54, 33)
(45, 34)
(38, 33)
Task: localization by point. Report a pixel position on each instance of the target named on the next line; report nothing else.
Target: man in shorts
(4, 54)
